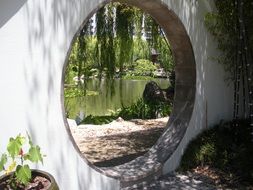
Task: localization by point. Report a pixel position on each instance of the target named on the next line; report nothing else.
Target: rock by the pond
(154, 94)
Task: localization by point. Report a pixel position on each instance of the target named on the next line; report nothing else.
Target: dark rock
(170, 93)
(172, 78)
(154, 94)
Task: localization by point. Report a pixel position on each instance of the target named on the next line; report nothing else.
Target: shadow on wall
(51, 26)
(192, 17)
(8, 9)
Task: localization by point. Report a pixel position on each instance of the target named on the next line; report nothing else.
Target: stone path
(176, 181)
(199, 178)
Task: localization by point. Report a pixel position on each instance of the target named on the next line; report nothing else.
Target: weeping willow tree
(124, 34)
(121, 35)
(157, 40)
(152, 31)
(114, 42)
(114, 33)
(105, 44)
(80, 58)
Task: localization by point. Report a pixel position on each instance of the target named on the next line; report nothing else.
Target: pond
(108, 100)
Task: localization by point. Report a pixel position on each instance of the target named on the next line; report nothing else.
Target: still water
(124, 93)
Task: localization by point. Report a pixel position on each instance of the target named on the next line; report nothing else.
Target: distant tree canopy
(114, 38)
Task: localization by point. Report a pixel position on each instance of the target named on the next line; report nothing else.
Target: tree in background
(122, 34)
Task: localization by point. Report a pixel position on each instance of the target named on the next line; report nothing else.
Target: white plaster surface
(214, 96)
(34, 40)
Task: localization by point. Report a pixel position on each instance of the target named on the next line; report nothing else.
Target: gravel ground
(119, 141)
(118, 126)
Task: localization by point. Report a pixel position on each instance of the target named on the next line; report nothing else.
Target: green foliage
(71, 92)
(129, 76)
(98, 120)
(15, 145)
(81, 59)
(77, 92)
(142, 110)
(142, 67)
(124, 33)
(140, 48)
(164, 109)
(206, 153)
(156, 39)
(224, 26)
(23, 174)
(165, 58)
(105, 45)
(134, 111)
(116, 43)
(15, 151)
(227, 147)
(138, 110)
(34, 154)
(3, 161)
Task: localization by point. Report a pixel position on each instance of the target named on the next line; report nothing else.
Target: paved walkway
(177, 182)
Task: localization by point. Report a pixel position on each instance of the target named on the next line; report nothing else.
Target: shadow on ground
(118, 149)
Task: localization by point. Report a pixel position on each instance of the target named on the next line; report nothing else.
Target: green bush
(98, 120)
(227, 147)
(141, 67)
(138, 110)
(78, 92)
(142, 110)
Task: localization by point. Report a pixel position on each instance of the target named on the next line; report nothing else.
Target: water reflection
(108, 100)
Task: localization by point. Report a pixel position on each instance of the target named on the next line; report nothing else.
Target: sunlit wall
(35, 37)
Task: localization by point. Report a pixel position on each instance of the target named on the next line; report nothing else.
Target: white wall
(34, 43)
(214, 96)
(34, 39)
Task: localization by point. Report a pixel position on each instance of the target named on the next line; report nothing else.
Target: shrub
(98, 120)
(141, 67)
(142, 110)
(138, 110)
(227, 147)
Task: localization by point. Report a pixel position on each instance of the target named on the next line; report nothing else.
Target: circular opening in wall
(102, 53)
(113, 96)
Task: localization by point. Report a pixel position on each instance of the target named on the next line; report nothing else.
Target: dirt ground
(119, 141)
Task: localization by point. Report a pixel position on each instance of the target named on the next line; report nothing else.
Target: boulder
(154, 94)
